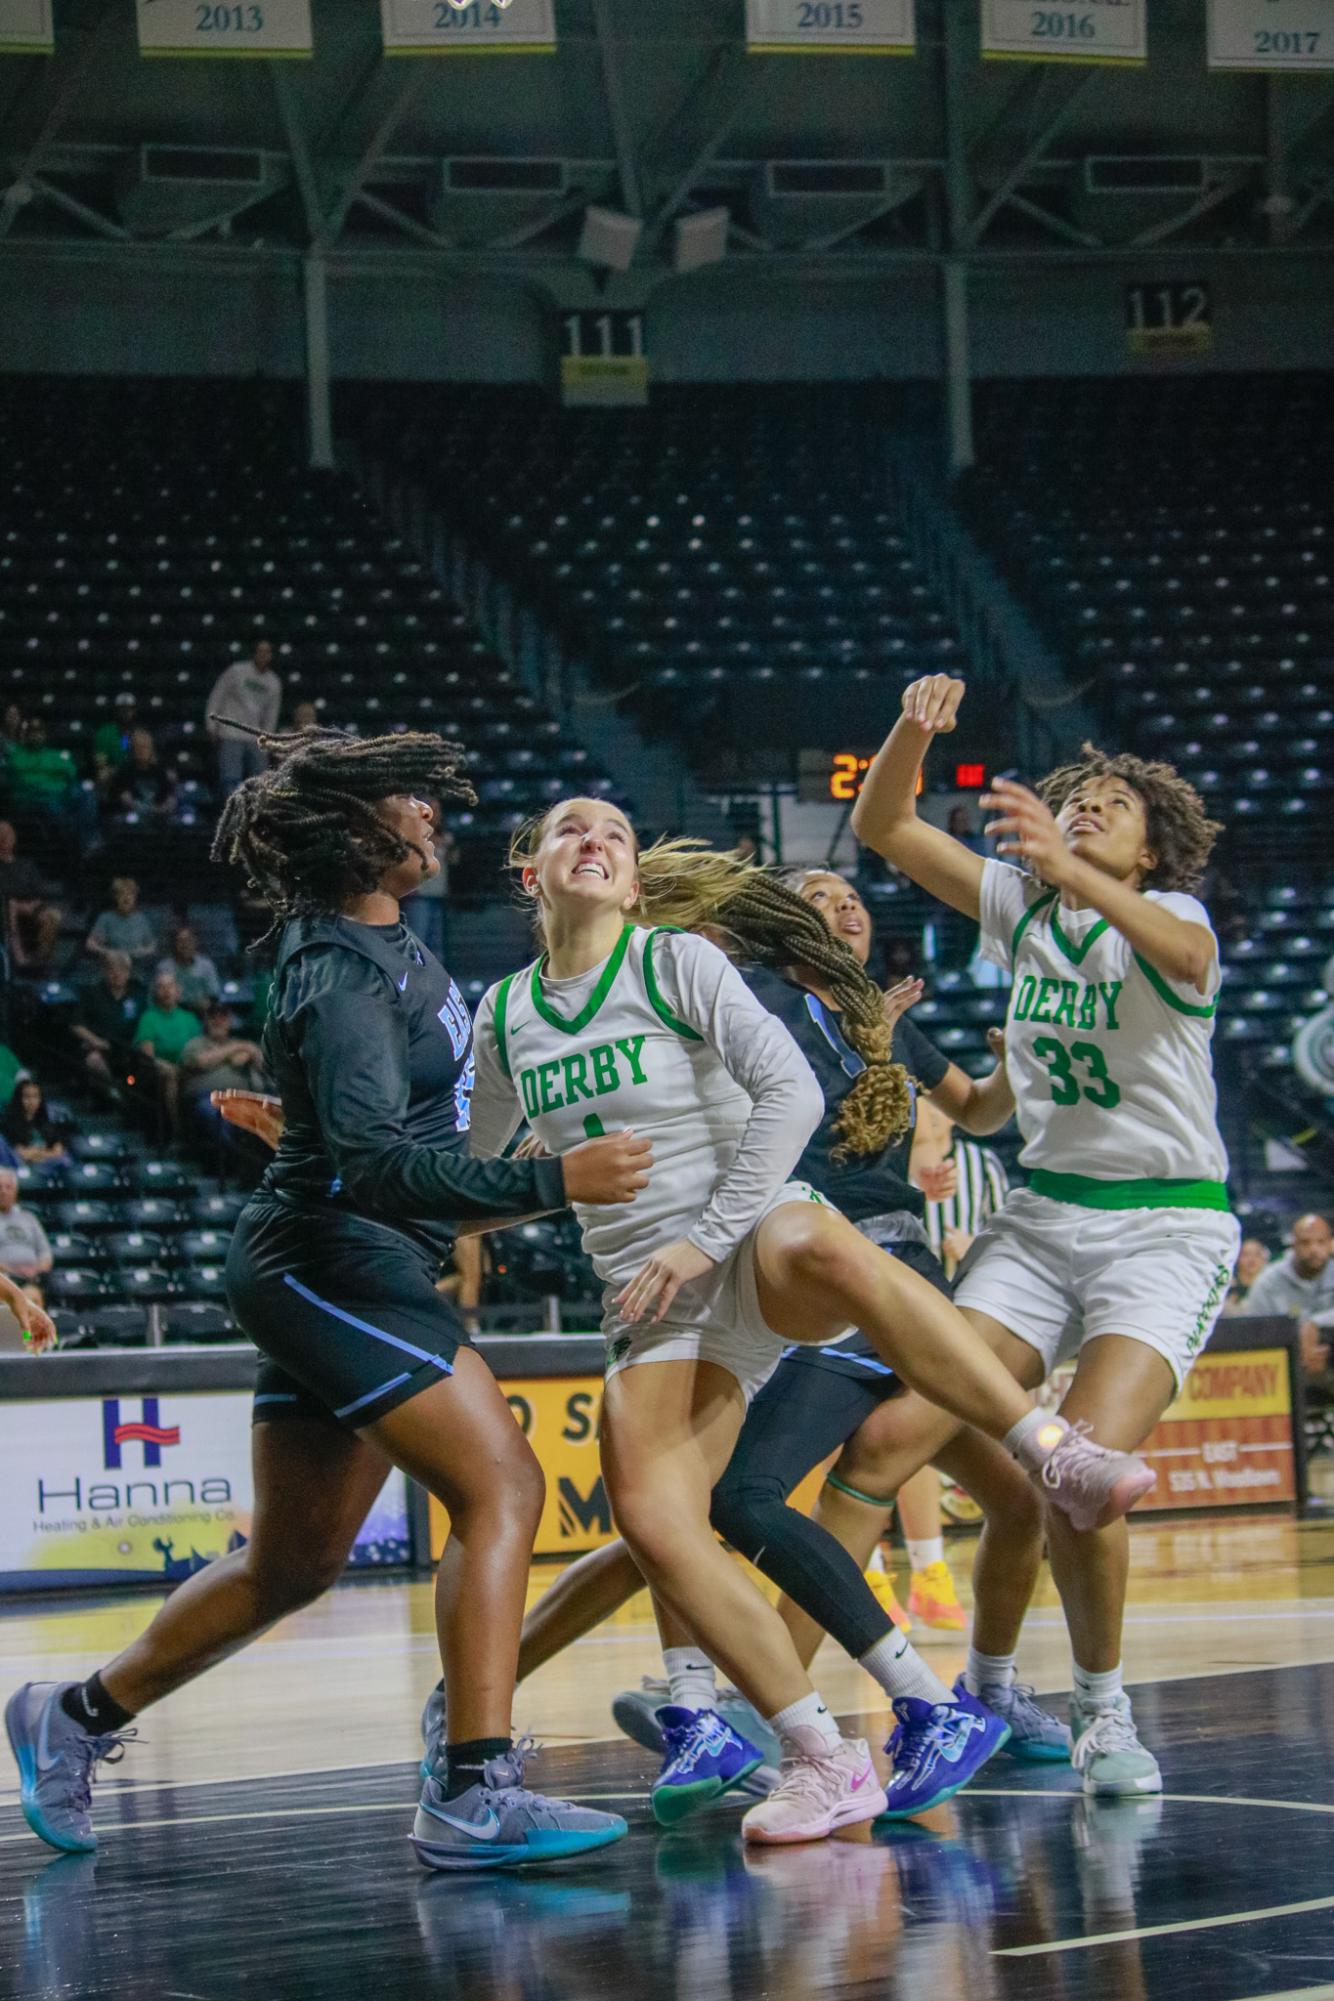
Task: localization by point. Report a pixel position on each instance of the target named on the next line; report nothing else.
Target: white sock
(691, 1677)
(988, 1671)
(810, 1714)
(921, 1555)
(1097, 1691)
(1032, 1439)
(900, 1670)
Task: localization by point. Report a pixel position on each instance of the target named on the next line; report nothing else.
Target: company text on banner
(224, 28)
(25, 28)
(823, 27)
(140, 1490)
(1095, 31)
(1271, 34)
(435, 28)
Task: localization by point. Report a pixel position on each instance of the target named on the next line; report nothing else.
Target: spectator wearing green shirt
(39, 777)
(164, 1029)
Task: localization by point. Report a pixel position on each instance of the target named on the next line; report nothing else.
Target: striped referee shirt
(983, 1186)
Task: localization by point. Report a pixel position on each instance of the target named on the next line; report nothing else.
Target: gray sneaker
(1114, 1764)
(56, 1759)
(499, 1824)
(1036, 1738)
(433, 1731)
(1091, 1485)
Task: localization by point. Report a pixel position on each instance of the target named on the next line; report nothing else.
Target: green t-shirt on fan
(168, 1033)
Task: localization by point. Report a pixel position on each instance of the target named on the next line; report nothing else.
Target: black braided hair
(306, 831)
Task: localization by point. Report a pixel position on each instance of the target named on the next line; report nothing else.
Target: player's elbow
(808, 1105)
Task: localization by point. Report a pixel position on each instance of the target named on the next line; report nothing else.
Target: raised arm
(885, 816)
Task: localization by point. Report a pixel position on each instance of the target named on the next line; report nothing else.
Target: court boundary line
(1165, 1931)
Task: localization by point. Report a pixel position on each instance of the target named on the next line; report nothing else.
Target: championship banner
(831, 27)
(1097, 31)
(224, 28)
(143, 1490)
(25, 28)
(435, 28)
(1271, 34)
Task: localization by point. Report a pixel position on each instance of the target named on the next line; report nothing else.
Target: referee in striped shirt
(974, 1189)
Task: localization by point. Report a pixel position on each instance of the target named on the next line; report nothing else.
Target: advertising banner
(25, 28)
(1227, 1440)
(1271, 34)
(225, 28)
(1097, 31)
(142, 1490)
(825, 27)
(435, 28)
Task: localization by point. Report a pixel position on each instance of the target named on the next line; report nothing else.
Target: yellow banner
(1250, 1384)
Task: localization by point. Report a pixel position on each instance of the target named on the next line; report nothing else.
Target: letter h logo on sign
(146, 1432)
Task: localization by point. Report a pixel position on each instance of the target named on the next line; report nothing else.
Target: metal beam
(1029, 158)
(100, 224)
(376, 148)
(303, 166)
(388, 212)
(739, 98)
(632, 199)
(1057, 224)
(66, 80)
(319, 406)
(1211, 199)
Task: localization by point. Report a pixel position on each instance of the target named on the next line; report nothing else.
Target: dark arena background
(644, 394)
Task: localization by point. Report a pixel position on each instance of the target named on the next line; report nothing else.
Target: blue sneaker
(1035, 1737)
(704, 1757)
(636, 1711)
(936, 1749)
(56, 1760)
(499, 1824)
(433, 1731)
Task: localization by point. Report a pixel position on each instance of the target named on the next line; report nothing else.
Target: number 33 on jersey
(1110, 1062)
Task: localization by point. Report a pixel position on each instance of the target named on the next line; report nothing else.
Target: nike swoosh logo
(403, 983)
(480, 1830)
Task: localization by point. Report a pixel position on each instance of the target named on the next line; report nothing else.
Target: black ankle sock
(88, 1703)
(464, 1762)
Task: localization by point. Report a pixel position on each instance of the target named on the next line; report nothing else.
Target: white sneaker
(1108, 1753)
(1091, 1485)
(819, 1790)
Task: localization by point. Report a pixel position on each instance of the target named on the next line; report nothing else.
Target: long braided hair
(754, 915)
(307, 832)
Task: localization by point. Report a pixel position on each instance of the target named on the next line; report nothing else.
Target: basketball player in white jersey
(619, 1026)
(1121, 1248)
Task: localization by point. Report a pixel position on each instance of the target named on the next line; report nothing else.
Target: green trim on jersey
(1076, 954)
(659, 1005)
(1164, 992)
(1042, 903)
(502, 1009)
(580, 1021)
(1093, 1194)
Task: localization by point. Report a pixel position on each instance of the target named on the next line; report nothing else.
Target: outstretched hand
(933, 703)
(900, 998)
(1027, 829)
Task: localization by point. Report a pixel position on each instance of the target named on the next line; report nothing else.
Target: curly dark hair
(306, 830)
(1180, 832)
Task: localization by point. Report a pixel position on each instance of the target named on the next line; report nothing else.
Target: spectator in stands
(111, 740)
(960, 824)
(32, 921)
(124, 928)
(1251, 1261)
(41, 784)
(10, 1072)
(305, 716)
(196, 974)
(106, 1021)
(249, 692)
(217, 1060)
(11, 728)
(142, 784)
(164, 1029)
(1300, 1286)
(29, 1127)
(24, 1249)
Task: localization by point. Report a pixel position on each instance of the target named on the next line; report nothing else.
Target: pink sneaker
(819, 1790)
(1091, 1485)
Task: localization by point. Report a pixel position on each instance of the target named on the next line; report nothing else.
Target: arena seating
(728, 561)
(151, 531)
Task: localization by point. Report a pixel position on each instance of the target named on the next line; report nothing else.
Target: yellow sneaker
(882, 1584)
(933, 1599)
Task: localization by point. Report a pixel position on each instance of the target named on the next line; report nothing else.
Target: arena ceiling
(654, 108)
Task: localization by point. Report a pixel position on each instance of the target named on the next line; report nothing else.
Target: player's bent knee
(816, 1250)
(740, 1513)
(287, 1585)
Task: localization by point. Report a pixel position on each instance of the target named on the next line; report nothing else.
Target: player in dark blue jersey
(332, 1272)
